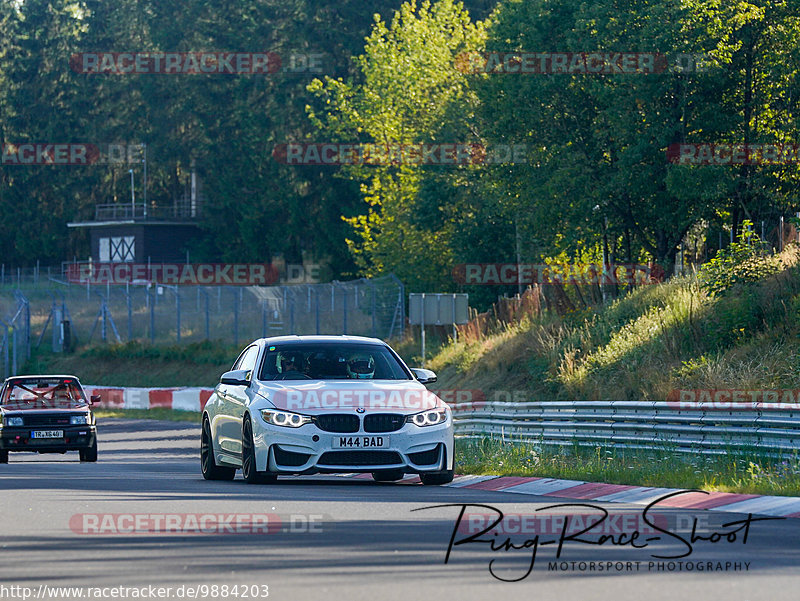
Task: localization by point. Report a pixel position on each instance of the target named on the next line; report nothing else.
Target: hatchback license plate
(47, 434)
(360, 442)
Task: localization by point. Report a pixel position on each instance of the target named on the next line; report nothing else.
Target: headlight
(78, 420)
(431, 417)
(284, 418)
(14, 421)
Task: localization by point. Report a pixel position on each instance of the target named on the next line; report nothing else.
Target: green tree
(407, 92)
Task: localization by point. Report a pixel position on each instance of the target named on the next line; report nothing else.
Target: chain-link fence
(36, 310)
(15, 332)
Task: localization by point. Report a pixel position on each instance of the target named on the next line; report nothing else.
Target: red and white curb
(194, 399)
(788, 507)
(180, 399)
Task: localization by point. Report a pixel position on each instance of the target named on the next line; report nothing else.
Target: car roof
(294, 339)
(43, 377)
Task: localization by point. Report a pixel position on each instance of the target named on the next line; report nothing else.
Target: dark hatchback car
(46, 414)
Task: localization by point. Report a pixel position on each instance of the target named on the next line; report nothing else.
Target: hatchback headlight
(284, 418)
(14, 421)
(431, 417)
(78, 420)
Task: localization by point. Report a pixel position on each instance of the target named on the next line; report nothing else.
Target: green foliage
(742, 262)
(597, 169)
(407, 92)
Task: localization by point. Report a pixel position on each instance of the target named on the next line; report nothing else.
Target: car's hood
(315, 397)
(14, 410)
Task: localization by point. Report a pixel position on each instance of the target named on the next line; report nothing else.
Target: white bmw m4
(325, 404)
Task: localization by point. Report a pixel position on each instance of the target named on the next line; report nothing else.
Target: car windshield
(332, 361)
(50, 393)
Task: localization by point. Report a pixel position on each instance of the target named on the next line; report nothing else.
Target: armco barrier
(709, 429)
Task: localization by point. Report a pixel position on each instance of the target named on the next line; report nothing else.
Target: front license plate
(47, 434)
(360, 442)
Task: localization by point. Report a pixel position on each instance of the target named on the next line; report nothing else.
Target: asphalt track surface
(365, 541)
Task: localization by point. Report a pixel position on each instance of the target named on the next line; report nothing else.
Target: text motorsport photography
(668, 539)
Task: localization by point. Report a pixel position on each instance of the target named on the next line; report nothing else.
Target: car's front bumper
(20, 438)
(412, 449)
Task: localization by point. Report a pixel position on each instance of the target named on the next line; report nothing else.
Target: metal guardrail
(657, 425)
(183, 210)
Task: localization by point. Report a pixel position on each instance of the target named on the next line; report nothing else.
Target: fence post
(317, 309)
(130, 312)
(6, 343)
(24, 311)
(103, 310)
(344, 311)
(57, 342)
(152, 315)
(14, 351)
(291, 316)
(208, 330)
(402, 306)
(283, 306)
(235, 317)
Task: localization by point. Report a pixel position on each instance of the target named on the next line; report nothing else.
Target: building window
(118, 249)
(105, 253)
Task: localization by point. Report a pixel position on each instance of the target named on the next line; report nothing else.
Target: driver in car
(361, 366)
(291, 367)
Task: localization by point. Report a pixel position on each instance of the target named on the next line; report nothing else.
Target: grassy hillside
(659, 338)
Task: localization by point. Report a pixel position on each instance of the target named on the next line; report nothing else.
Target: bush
(741, 262)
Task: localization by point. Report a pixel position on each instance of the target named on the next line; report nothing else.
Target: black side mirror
(237, 377)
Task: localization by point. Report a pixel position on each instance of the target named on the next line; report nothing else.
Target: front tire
(89, 455)
(3, 456)
(208, 465)
(249, 472)
(437, 478)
